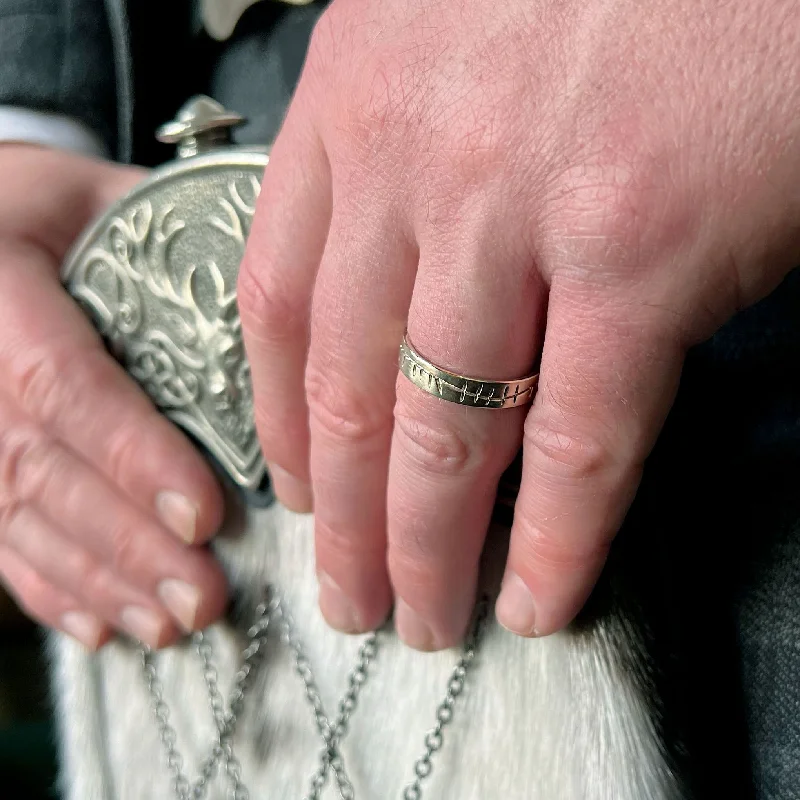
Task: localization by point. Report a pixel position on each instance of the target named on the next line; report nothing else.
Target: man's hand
(604, 183)
(101, 498)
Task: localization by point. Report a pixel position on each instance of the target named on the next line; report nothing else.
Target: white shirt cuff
(18, 124)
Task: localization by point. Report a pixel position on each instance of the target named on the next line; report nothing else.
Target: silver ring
(465, 391)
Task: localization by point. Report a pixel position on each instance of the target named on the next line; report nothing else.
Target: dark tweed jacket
(59, 55)
(711, 548)
(125, 66)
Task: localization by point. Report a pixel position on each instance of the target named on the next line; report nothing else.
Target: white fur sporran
(558, 718)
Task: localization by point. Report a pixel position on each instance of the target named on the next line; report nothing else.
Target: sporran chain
(270, 613)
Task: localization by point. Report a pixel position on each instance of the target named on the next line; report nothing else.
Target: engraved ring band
(460, 389)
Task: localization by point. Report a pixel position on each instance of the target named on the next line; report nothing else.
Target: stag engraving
(162, 291)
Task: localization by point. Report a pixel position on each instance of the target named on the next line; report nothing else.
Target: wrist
(24, 125)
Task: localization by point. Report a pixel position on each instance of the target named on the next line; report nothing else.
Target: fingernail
(86, 628)
(292, 492)
(336, 606)
(178, 514)
(515, 608)
(182, 600)
(411, 628)
(144, 624)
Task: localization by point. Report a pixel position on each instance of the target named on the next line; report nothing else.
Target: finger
(37, 470)
(475, 311)
(609, 373)
(360, 305)
(72, 570)
(275, 286)
(54, 212)
(55, 367)
(48, 605)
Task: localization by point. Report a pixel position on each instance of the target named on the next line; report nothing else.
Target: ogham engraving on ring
(454, 388)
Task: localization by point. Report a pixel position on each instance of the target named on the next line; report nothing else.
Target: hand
(101, 498)
(604, 183)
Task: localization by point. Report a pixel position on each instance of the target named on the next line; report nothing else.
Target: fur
(567, 717)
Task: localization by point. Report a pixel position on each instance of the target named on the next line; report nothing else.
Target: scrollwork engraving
(162, 290)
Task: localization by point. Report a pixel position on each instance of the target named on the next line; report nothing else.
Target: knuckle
(342, 546)
(477, 144)
(9, 513)
(124, 451)
(97, 585)
(48, 380)
(567, 453)
(412, 552)
(80, 569)
(436, 447)
(35, 595)
(270, 310)
(383, 106)
(376, 106)
(339, 410)
(546, 552)
(124, 553)
(614, 214)
(25, 464)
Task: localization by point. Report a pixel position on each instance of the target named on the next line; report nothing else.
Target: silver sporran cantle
(157, 274)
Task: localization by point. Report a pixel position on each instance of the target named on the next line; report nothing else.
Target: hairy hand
(604, 183)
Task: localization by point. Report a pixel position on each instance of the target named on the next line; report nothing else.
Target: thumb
(609, 373)
(51, 195)
(111, 182)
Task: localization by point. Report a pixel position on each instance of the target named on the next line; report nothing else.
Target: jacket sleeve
(56, 56)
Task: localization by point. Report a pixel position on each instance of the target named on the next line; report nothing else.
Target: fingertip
(210, 503)
(106, 638)
(194, 512)
(293, 493)
(412, 629)
(86, 628)
(418, 634)
(516, 608)
(212, 605)
(146, 625)
(182, 600)
(346, 615)
(179, 514)
(336, 607)
(540, 598)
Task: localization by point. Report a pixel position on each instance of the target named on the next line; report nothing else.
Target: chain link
(222, 749)
(331, 734)
(166, 732)
(444, 713)
(271, 612)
